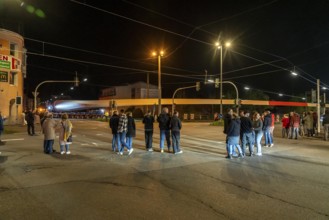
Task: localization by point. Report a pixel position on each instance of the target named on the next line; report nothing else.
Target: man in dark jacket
(233, 134)
(267, 129)
(164, 121)
(1, 128)
(148, 121)
(114, 122)
(246, 133)
(29, 117)
(176, 126)
(325, 123)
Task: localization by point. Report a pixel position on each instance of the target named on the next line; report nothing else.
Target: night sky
(110, 43)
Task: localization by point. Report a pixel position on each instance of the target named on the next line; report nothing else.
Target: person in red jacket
(285, 125)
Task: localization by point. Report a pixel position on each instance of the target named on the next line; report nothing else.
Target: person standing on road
(29, 117)
(325, 123)
(131, 130)
(294, 125)
(1, 128)
(65, 132)
(227, 122)
(246, 133)
(176, 126)
(267, 129)
(308, 123)
(37, 122)
(233, 136)
(122, 131)
(285, 126)
(257, 126)
(164, 122)
(114, 123)
(48, 129)
(148, 121)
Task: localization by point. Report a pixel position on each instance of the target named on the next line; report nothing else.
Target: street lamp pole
(159, 54)
(221, 81)
(318, 105)
(159, 84)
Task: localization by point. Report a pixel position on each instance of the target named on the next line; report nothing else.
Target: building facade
(12, 74)
(137, 90)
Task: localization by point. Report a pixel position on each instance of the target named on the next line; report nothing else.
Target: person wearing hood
(233, 136)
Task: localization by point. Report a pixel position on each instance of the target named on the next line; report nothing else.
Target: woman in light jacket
(48, 130)
(65, 132)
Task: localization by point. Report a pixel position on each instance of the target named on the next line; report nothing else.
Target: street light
(220, 46)
(159, 54)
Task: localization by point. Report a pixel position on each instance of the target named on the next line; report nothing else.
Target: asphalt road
(290, 180)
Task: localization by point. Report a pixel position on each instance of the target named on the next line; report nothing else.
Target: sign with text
(10, 62)
(3, 76)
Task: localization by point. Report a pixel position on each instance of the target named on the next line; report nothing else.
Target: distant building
(12, 74)
(130, 91)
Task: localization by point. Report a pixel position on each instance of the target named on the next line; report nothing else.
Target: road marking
(18, 139)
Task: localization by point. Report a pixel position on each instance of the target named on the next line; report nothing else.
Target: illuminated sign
(4, 64)
(10, 62)
(3, 76)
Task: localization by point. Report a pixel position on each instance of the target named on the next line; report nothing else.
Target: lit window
(13, 78)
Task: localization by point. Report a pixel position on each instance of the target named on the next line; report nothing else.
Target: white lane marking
(18, 139)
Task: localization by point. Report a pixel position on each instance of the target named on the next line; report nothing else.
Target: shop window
(13, 78)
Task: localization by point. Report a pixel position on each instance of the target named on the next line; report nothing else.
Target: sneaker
(241, 156)
(162, 151)
(259, 154)
(130, 151)
(68, 152)
(150, 150)
(179, 152)
(271, 145)
(120, 153)
(62, 152)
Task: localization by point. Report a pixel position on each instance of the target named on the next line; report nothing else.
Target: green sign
(3, 76)
(4, 64)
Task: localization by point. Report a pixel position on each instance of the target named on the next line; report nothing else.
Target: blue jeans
(268, 136)
(164, 134)
(115, 139)
(258, 139)
(122, 142)
(294, 132)
(232, 143)
(175, 135)
(67, 147)
(248, 138)
(48, 146)
(129, 141)
(148, 139)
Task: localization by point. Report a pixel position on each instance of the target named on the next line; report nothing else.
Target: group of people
(295, 125)
(49, 128)
(124, 130)
(249, 131)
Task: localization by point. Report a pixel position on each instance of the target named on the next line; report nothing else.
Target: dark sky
(110, 43)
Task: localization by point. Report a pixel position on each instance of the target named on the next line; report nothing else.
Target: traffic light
(217, 83)
(197, 86)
